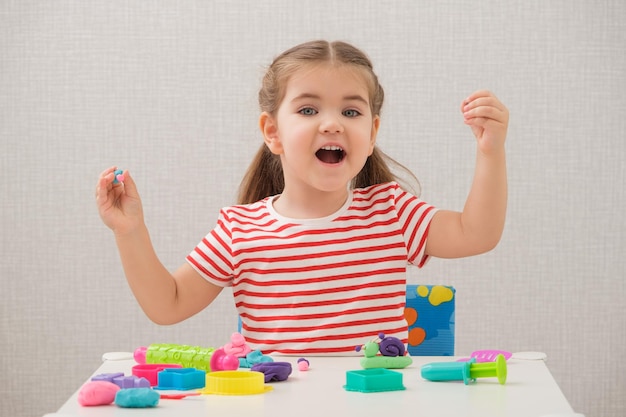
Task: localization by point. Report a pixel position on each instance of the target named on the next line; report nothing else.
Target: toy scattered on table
(118, 176)
(487, 355)
(220, 361)
(373, 380)
(150, 371)
(235, 383)
(273, 371)
(97, 393)
(253, 358)
(466, 371)
(122, 381)
(384, 352)
(237, 346)
(167, 353)
(247, 357)
(303, 364)
(137, 398)
(198, 357)
(181, 379)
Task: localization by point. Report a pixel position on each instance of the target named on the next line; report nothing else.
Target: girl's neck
(307, 204)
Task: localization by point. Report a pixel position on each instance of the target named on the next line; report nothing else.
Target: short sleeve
(414, 216)
(212, 257)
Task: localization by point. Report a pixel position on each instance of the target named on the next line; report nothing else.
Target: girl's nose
(331, 124)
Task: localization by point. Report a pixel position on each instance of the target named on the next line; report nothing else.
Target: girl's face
(323, 130)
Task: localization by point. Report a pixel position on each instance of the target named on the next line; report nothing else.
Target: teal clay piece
(137, 398)
(389, 362)
(373, 380)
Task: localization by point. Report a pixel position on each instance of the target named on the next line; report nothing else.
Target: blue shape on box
(181, 379)
(434, 305)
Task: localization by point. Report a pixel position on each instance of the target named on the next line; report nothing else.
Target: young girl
(317, 248)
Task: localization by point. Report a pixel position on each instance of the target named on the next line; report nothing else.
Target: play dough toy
(137, 398)
(465, 371)
(183, 355)
(97, 393)
(273, 371)
(373, 380)
(384, 352)
(235, 383)
(118, 176)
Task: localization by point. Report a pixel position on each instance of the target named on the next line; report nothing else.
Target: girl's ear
(268, 126)
(375, 126)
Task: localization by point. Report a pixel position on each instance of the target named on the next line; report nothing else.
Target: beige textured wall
(167, 89)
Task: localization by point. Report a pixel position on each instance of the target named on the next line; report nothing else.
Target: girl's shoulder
(250, 210)
(376, 191)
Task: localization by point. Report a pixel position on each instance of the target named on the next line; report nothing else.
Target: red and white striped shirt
(321, 285)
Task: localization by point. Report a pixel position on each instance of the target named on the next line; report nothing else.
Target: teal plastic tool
(465, 371)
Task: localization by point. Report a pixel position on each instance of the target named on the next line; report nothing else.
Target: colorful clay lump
(137, 398)
(384, 352)
(466, 371)
(100, 392)
(273, 371)
(254, 358)
(118, 176)
(303, 364)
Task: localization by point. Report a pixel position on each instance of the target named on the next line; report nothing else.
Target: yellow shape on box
(438, 294)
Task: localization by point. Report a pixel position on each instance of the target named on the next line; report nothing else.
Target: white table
(530, 390)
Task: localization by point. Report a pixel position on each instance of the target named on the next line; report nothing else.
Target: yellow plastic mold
(235, 383)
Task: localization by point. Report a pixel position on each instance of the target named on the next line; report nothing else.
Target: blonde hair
(264, 176)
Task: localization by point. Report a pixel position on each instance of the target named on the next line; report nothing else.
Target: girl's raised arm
(479, 226)
(165, 298)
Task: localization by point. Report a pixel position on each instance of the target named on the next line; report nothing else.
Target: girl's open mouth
(330, 154)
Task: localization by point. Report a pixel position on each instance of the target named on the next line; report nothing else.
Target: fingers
(481, 107)
(106, 183)
(129, 185)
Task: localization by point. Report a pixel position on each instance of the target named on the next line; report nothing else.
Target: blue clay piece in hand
(118, 176)
(137, 398)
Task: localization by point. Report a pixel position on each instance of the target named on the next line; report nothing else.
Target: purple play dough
(273, 371)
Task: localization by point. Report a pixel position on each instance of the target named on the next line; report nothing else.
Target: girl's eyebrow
(355, 97)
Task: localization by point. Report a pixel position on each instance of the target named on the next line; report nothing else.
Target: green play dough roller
(187, 356)
(465, 371)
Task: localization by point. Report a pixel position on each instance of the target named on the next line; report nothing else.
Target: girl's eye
(351, 113)
(307, 111)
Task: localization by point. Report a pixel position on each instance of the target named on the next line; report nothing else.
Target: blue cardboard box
(429, 311)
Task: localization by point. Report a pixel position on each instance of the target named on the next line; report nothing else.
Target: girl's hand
(488, 118)
(118, 204)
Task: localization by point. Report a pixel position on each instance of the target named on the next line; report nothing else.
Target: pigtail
(263, 178)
